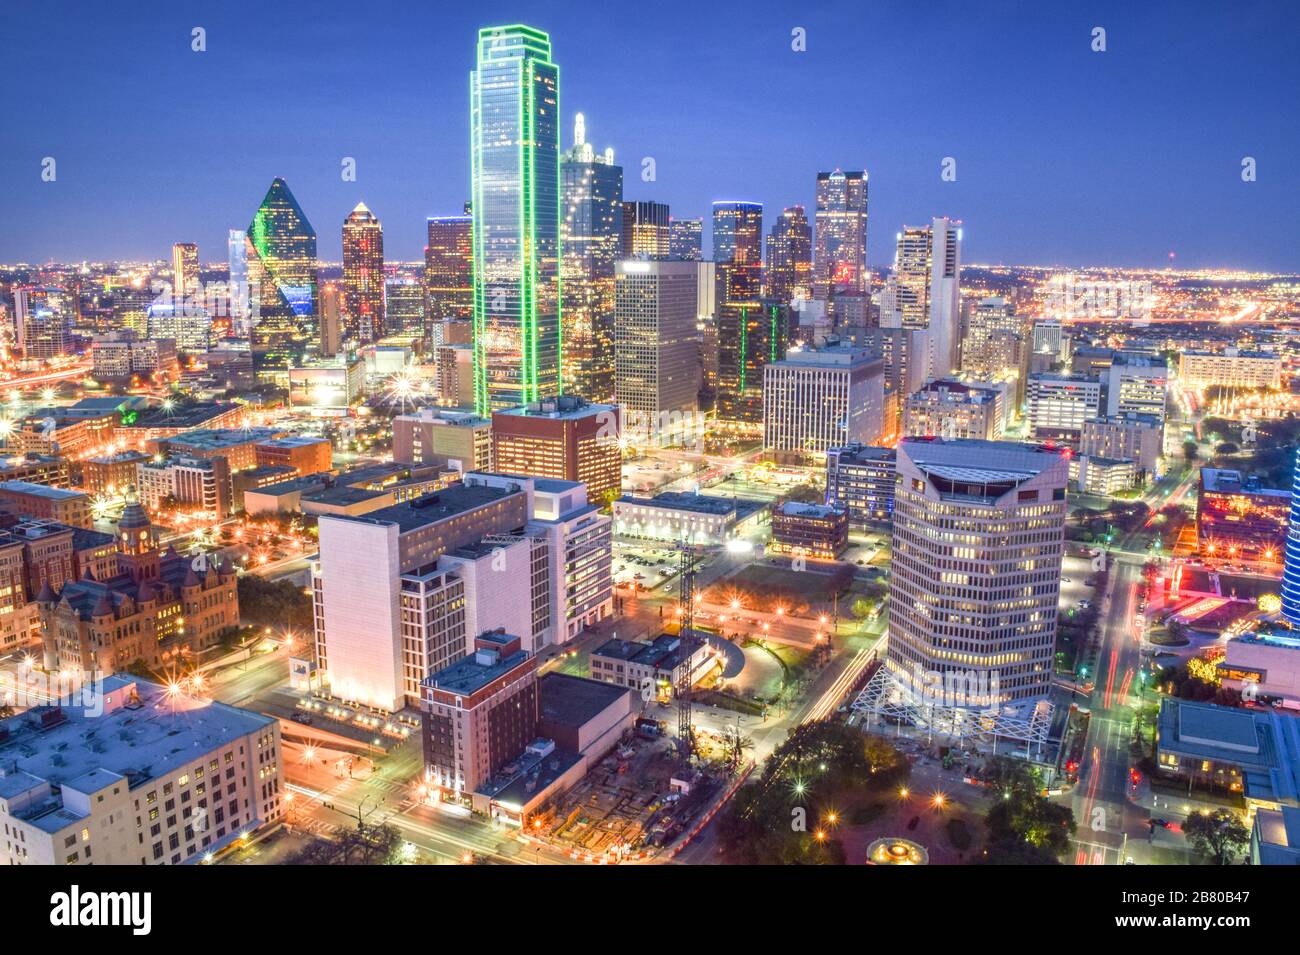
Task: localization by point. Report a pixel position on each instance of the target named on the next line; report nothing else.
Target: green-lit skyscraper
(515, 161)
(281, 248)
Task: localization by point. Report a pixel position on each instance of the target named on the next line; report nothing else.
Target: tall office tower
(841, 261)
(817, 400)
(331, 332)
(646, 230)
(280, 245)
(515, 159)
(686, 239)
(185, 270)
(1291, 570)
(789, 257)
(404, 302)
(592, 232)
(363, 275)
(237, 261)
(449, 268)
(41, 322)
(655, 350)
(992, 344)
(738, 232)
(751, 335)
(927, 289)
(979, 533)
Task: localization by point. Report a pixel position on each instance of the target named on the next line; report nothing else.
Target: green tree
(1218, 836)
(1191, 451)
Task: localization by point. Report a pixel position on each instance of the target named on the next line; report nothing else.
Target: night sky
(1064, 156)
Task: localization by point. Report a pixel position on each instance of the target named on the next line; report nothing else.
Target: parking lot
(649, 566)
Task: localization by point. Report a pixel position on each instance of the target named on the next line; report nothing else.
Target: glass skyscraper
(515, 164)
(280, 245)
(593, 234)
(738, 232)
(685, 239)
(449, 268)
(789, 257)
(1291, 572)
(841, 260)
(363, 275)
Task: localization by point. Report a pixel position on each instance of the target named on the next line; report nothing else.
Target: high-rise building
(386, 614)
(953, 409)
(751, 332)
(449, 268)
(655, 349)
(927, 275)
(237, 264)
(280, 246)
(515, 159)
(1231, 368)
(592, 231)
(738, 232)
(789, 257)
(994, 341)
(817, 400)
(563, 437)
(331, 331)
(363, 275)
(978, 538)
(646, 230)
(1137, 386)
(686, 239)
(1291, 570)
(41, 322)
(404, 302)
(185, 270)
(841, 217)
(860, 479)
(1060, 404)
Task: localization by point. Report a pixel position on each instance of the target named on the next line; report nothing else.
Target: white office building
(817, 400)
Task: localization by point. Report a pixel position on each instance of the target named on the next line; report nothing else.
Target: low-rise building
(684, 516)
(1093, 474)
(1275, 837)
(1265, 666)
(1230, 368)
(812, 530)
(1253, 752)
(306, 455)
(200, 485)
(49, 503)
(456, 439)
(655, 668)
(1237, 518)
(110, 475)
(48, 469)
(135, 775)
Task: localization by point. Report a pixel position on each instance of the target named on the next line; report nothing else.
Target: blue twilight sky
(1064, 156)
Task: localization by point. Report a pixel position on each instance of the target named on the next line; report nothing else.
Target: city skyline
(1080, 160)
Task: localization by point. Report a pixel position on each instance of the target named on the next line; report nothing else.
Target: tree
(1191, 451)
(1219, 835)
(734, 744)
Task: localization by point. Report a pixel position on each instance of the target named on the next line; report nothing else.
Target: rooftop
(1263, 743)
(475, 671)
(573, 700)
(40, 490)
(438, 506)
(698, 503)
(133, 728)
(1224, 481)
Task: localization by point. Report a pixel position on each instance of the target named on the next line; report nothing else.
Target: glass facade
(449, 268)
(363, 275)
(1291, 572)
(280, 246)
(841, 233)
(738, 233)
(515, 153)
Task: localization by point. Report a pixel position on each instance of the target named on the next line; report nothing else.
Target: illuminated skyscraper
(237, 258)
(738, 232)
(1291, 572)
(363, 275)
(646, 230)
(280, 245)
(185, 269)
(515, 159)
(449, 268)
(789, 257)
(927, 275)
(686, 239)
(592, 233)
(841, 262)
